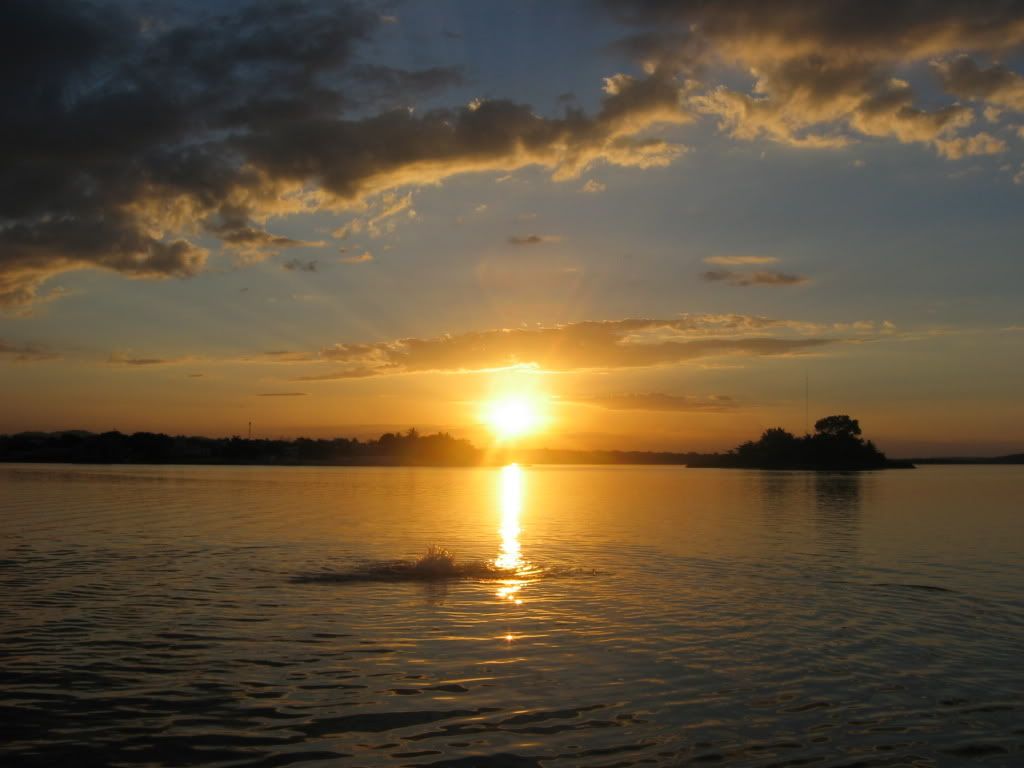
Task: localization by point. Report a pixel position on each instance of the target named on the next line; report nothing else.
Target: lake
(666, 616)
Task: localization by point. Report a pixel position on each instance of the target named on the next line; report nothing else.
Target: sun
(513, 416)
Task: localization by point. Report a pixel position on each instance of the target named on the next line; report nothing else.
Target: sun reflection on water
(510, 557)
(510, 493)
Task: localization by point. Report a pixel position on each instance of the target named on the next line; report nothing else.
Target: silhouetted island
(835, 445)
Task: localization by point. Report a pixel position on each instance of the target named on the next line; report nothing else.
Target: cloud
(337, 375)
(354, 158)
(130, 360)
(744, 279)
(391, 205)
(591, 345)
(846, 28)
(25, 353)
(699, 339)
(279, 356)
(361, 258)
(658, 401)
(236, 231)
(270, 357)
(133, 135)
(282, 394)
(747, 278)
(354, 227)
(593, 186)
(996, 84)
(827, 74)
(297, 265)
(818, 104)
(971, 146)
(533, 239)
(137, 132)
(380, 218)
(740, 260)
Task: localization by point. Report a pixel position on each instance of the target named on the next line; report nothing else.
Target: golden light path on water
(510, 495)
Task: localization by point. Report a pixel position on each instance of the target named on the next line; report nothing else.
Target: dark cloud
(743, 279)
(25, 353)
(741, 260)
(354, 158)
(231, 224)
(132, 361)
(297, 265)
(532, 239)
(112, 155)
(995, 84)
(337, 375)
(279, 356)
(659, 401)
(283, 356)
(132, 135)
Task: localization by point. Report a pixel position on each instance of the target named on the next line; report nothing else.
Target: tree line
(836, 444)
(157, 448)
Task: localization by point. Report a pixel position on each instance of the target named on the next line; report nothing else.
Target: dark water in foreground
(157, 616)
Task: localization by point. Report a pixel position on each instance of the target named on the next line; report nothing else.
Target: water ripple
(152, 617)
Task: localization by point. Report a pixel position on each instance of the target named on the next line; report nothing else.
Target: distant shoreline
(776, 451)
(1012, 460)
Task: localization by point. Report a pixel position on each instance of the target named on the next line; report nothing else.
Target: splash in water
(438, 564)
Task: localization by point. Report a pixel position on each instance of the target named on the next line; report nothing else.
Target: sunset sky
(658, 219)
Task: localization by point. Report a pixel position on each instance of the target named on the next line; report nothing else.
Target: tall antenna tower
(250, 430)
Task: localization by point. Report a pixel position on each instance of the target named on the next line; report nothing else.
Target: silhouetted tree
(836, 444)
(838, 426)
(777, 447)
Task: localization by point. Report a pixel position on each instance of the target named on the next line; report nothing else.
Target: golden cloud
(589, 345)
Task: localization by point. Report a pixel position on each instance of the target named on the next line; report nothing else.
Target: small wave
(921, 587)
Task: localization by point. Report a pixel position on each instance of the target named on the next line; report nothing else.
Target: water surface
(662, 616)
